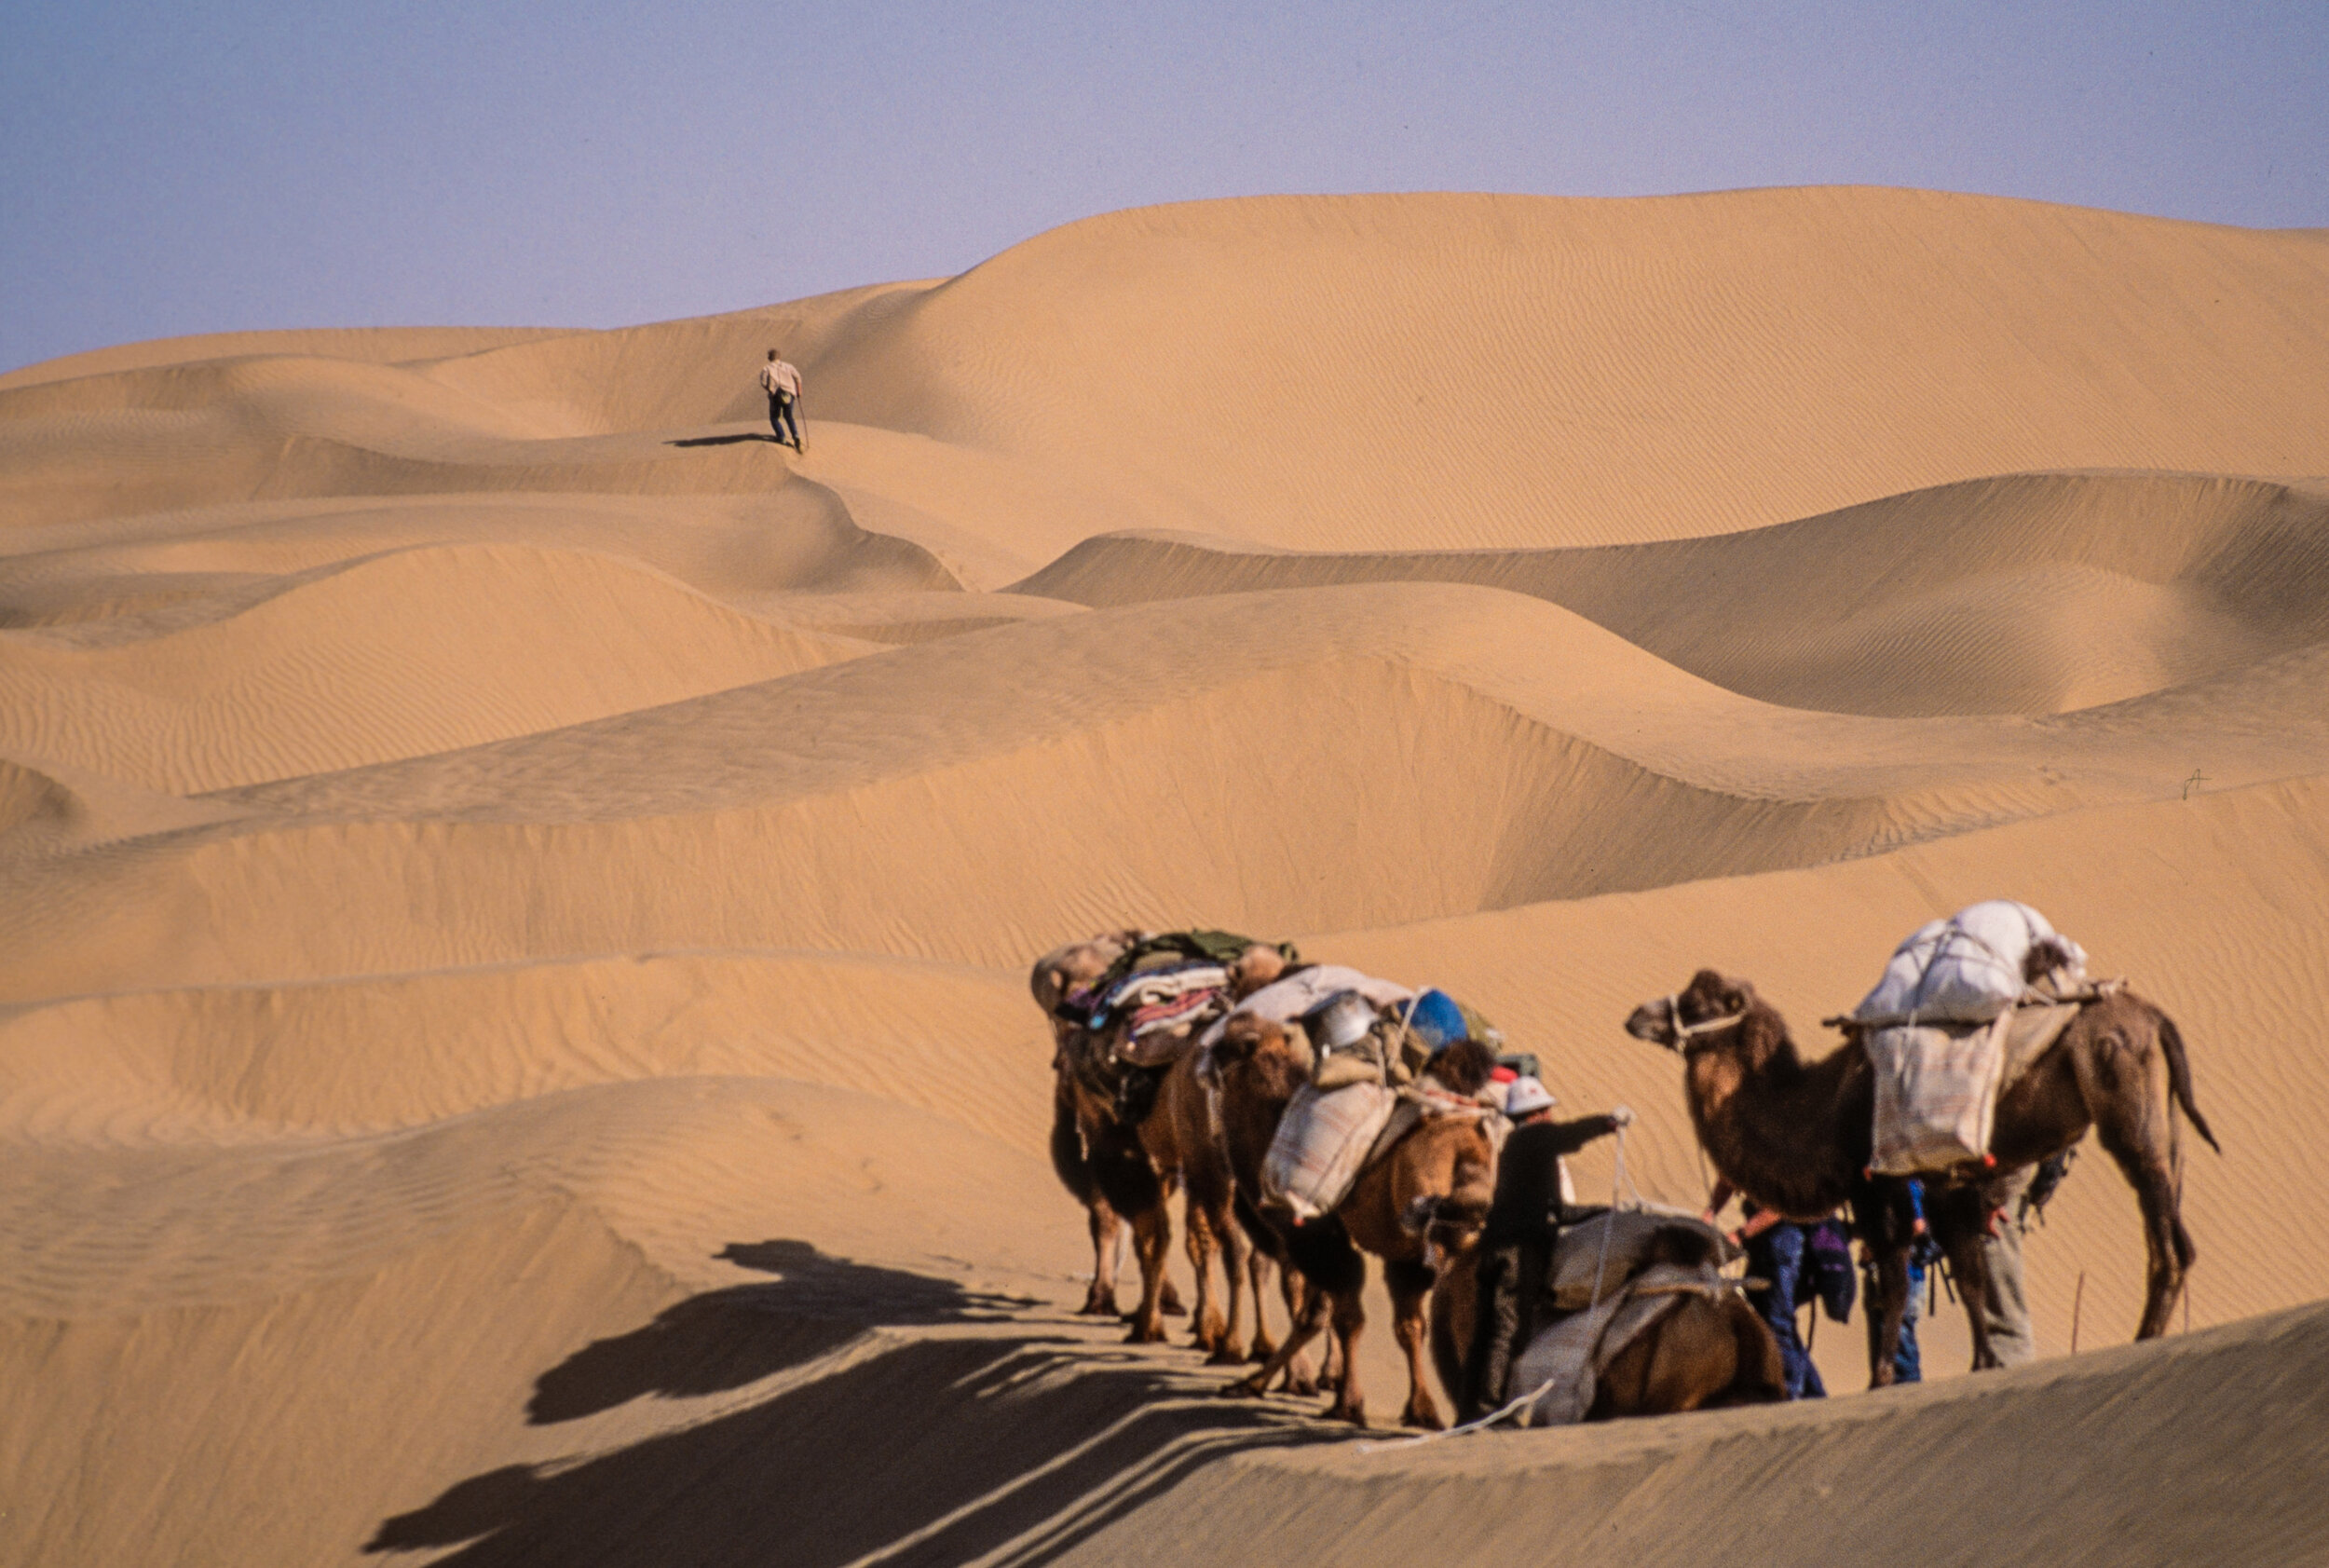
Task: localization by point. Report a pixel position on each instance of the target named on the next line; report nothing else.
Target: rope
(1616, 1195)
(1682, 1031)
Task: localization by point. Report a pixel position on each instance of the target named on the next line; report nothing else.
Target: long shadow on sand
(723, 439)
(726, 1339)
(962, 1433)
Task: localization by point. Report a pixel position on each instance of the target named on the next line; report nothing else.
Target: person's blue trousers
(1777, 1255)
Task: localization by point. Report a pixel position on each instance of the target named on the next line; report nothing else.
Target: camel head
(1079, 963)
(1695, 1018)
(1279, 1053)
(1254, 968)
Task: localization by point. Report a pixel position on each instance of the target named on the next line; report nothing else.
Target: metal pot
(1340, 1022)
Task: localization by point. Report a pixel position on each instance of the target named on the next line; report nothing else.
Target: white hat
(1527, 1095)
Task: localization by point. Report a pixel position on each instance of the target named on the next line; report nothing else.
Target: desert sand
(514, 1044)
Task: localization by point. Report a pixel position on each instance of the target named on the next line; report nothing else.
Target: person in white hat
(1523, 1224)
(1528, 1101)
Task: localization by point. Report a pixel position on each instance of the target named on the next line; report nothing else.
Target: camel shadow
(724, 440)
(962, 1437)
(726, 1339)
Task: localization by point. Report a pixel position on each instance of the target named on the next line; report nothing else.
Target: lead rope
(1511, 1406)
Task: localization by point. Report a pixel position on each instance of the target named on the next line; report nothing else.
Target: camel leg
(1960, 1235)
(2171, 1249)
(1153, 1243)
(1296, 1290)
(1258, 1271)
(1237, 1251)
(1308, 1320)
(1350, 1321)
(1410, 1290)
(2127, 1085)
(1889, 1302)
(1208, 1331)
(2166, 1245)
(1100, 1300)
(1168, 1301)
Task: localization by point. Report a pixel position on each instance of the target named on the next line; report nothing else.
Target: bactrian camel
(1055, 974)
(1706, 1352)
(1136, 1158)
(1260, 1064)
(1797, 1137)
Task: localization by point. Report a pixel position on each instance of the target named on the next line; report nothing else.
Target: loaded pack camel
(1055, 974)
(1129, 1167)
(1259, 1064)
(1709, 1351)
(1797, 1137)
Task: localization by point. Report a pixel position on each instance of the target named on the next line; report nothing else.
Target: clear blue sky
(172, 169)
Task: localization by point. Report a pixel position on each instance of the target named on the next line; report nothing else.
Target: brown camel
(1710, 1351)
(1260, 1064)
(1055, 974)
(1797, 1137)
(1135, 1164)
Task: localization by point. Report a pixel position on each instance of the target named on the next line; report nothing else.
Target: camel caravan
(1312, 1116)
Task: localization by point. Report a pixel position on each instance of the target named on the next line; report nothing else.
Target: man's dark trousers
(1777, 1255)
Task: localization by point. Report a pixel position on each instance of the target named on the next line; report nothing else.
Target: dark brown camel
(1136, 1165)
(1259, 1065)
(1797, 1136)
(1055, 974)
(1708, 1353)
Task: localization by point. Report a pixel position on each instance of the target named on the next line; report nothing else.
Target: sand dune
(515, 892)
(391, 656)
(2026, 593)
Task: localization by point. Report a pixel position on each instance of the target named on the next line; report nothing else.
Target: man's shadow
(725, 440)
(960, 1442)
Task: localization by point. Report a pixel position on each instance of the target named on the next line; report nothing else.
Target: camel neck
(1772, 1127)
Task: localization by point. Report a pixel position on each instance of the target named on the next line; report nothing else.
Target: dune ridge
(515, 892)
(2023, 594)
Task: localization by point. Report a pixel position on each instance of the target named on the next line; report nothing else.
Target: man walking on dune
(781, 382)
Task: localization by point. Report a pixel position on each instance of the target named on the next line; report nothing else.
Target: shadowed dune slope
(515, 892)
(2026, 593)
(1165, 763)
(395, 656)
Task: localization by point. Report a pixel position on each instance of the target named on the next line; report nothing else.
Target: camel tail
(1067, 1148)
(2179, 1077)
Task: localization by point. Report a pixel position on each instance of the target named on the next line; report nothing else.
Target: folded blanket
(1152, 987)
(1174, 1011)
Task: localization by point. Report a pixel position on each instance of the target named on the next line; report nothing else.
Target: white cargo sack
(1321, 1146)
(1935, 1093)
(1966, 969)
